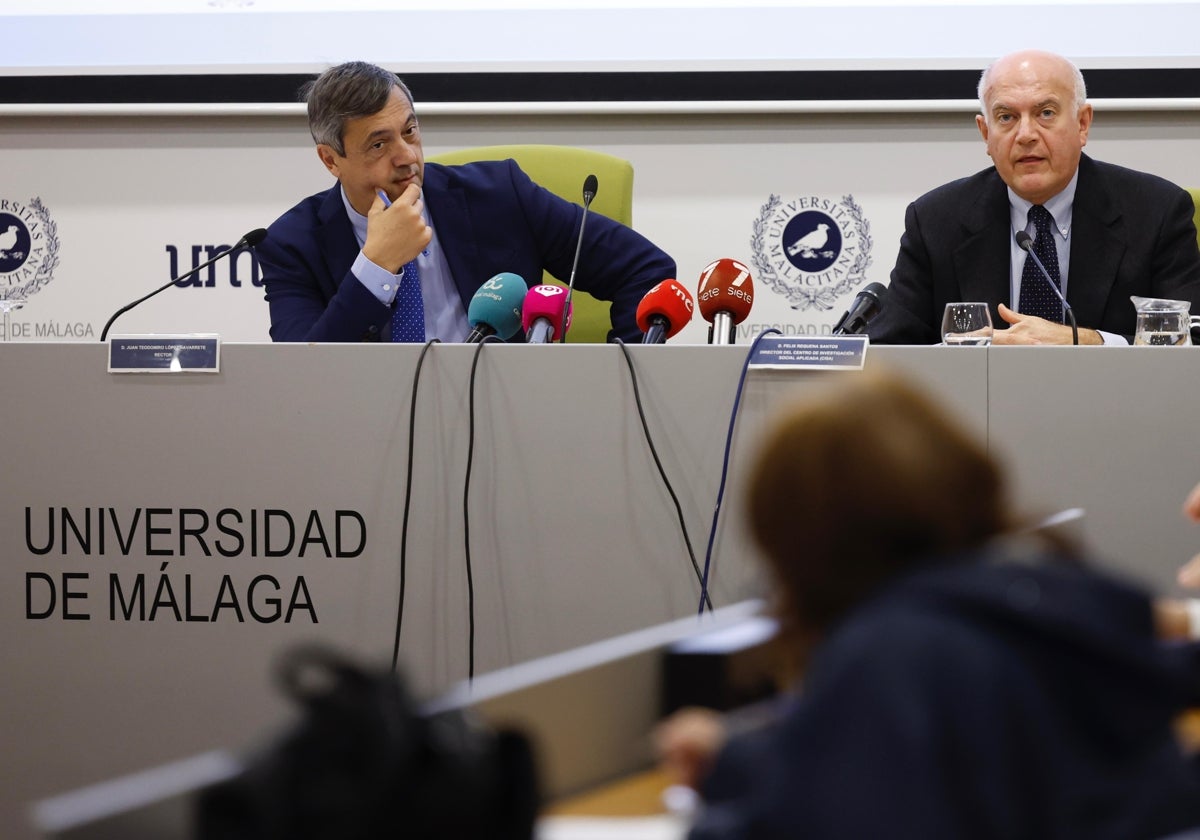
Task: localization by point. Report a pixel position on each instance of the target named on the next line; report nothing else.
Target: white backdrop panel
(124, 191)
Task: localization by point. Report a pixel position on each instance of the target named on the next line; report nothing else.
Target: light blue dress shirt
(445, 317)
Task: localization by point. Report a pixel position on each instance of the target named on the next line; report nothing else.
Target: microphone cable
(737, 401)
(412, 423)
(637, 397)
(491, 339)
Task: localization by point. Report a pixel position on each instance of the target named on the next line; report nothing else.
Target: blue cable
(737, 401)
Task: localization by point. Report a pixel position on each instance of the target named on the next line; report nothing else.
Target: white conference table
(573, 536)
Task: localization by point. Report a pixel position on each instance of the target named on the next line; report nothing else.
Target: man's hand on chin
(1029, 329)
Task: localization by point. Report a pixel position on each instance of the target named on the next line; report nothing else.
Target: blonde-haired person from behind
(959, 681)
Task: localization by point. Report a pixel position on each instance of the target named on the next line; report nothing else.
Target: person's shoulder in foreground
(976, 701)
(961, 677)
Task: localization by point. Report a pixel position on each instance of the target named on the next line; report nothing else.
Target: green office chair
(561, 170)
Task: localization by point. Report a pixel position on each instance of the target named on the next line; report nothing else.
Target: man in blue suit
(1108, 232)
(397, 248)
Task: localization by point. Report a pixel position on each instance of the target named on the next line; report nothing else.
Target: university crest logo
(811, 250)
(28, 250)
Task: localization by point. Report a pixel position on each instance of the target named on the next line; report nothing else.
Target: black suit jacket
(489, 216)
(1131, 234)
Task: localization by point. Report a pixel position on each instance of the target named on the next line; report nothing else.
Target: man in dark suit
(1108, 232)
(396, 249)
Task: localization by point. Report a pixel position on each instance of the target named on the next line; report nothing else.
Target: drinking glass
(967, 324)
(8, 306)
(1163, 322)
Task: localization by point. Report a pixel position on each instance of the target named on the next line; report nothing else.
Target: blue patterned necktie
(408, 318)
(1036, 296)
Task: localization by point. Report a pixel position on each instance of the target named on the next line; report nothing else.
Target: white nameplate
(811, 352)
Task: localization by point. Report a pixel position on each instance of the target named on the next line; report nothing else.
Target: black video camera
(364, 763)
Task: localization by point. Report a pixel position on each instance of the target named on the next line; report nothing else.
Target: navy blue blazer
(1131, 234)
(489, 216)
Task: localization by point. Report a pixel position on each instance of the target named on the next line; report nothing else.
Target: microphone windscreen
(725, 286)
(670, 300)
(875, 291)
(497, 303)
(545, 301)
(1024, 240)
(590, 185)
(254, 237)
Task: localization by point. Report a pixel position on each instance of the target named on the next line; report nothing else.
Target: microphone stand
(589, 192)
(242, 244)
(1025, 243)
(721, 329)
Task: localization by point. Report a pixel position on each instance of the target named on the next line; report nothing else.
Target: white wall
(276, 35)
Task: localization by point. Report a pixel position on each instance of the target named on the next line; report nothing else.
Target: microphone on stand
(248, 241)
(664, 311)
(862, 311)
(590, 185)
(1025, 243)
(543, 312)
(495, 308)
(725, 295)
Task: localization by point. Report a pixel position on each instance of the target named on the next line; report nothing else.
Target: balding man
(1104, 231)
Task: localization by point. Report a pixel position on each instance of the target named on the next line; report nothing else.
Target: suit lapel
(338, 246)
(1097, 245)
(981, 261)
(449, 213)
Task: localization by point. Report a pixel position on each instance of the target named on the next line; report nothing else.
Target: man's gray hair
(985, 79)
(348, 91)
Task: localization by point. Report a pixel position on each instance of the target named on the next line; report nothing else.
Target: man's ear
(1085, 122)
(330, 158)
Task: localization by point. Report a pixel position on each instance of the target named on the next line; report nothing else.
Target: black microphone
(590, 185)
(1025, 243)
(248, 241)
(865, 307)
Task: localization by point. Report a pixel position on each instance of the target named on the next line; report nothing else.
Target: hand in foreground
(687, 744)
(1189, 573)
(396, 234)
(1179, 618)
(1030, 329)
